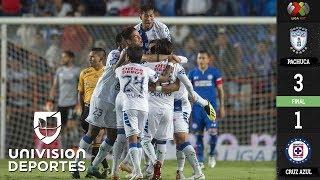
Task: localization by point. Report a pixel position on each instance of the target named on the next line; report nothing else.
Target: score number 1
(298, 88)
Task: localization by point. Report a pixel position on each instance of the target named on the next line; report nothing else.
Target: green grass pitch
(224, 170)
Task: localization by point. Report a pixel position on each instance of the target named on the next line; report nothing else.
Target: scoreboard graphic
(298, 97)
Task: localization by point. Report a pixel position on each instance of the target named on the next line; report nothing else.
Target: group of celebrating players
(142, 100)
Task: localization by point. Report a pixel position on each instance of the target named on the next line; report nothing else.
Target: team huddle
(142, 100)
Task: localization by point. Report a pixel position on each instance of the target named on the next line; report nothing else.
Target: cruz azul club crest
(298, 151)
(47, 126)
(298, 39)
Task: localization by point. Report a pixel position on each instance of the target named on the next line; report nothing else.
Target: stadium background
(247, 57)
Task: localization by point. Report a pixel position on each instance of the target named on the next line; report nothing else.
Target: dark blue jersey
(205, 83)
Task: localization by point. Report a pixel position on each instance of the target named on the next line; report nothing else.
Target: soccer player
(205, 80)
(87, 82)
(182, 110)
(149, 28)
(65, 87)
(102, 112)
(134, 79)
(159, 125)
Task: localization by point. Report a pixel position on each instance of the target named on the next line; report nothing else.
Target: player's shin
(213, 142)
(199, 99)
(149, 149)
(180, 159)
(118, 147)
(134, 154)
(161, 150)
(190, 154)
(199, 147)
(104, 149)
(84, 144)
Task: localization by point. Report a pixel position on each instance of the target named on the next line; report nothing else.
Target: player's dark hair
(118, 39)
(164, 46)
(127, 31)
(99, 50)
(203, 51)
(145, 8)
(134, 53)
(70, 54)
(153, 48)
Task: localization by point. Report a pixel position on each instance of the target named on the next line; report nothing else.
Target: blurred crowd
(62, 8)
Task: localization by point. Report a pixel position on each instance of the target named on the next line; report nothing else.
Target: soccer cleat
(75, 174)
(212, 162)
(94, 171)
(179, 175)
(125, 167)
(211, 113)
(156, 171)
(137, 177)
(105, 172)
(197, 177)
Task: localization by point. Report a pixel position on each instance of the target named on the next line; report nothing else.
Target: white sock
(134, 155)
(104, 149)
(84, 144)
(181, 158)
(127, 159)
(190, 154)
(161, 152)
(140, 153)
(149, 150)
(199, 99)
(118, 147)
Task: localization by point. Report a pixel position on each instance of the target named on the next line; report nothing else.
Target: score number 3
(299, 85)
(298, 88)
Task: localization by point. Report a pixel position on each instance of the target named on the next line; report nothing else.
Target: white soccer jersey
(159, 99)
(134, 79)
(107, 86)
(113, 58)
(158, 31)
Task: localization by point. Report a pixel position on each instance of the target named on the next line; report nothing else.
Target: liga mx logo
(44, 123)
(298, 151)
(298, 9)
(298, 39)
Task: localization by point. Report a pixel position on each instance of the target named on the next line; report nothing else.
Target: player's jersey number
(133, 82)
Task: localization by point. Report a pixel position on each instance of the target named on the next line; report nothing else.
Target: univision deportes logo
(298, 10)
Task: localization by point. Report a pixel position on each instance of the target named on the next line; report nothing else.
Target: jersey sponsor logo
(203, 83)
(44, 121)
(298, 39)
(298, 151)
(160, 94)
(160, 67)
(132, 70)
